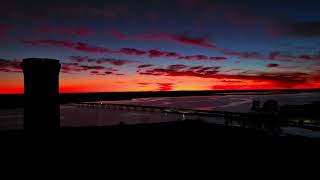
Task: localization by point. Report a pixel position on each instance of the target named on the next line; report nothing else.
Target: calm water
(232, 103)
(73, 116)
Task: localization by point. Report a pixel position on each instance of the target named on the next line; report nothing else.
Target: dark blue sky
(220, 44)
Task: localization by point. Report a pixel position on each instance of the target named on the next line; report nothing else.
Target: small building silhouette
(255, 105)
(41, 91)
(271, 107)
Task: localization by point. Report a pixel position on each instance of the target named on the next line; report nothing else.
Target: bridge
(133, 107)
(230, 118)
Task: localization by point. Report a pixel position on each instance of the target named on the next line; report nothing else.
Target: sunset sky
(163, 45)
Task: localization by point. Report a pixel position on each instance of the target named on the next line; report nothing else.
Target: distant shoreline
(17, 100)
(200, 91)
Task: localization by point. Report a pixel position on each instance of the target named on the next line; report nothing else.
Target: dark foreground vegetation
(175, 133)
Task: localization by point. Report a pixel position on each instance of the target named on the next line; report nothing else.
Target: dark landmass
(305, 110)
(16, 100)
(177, 133)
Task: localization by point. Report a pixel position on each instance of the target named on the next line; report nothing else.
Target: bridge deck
(165, 109)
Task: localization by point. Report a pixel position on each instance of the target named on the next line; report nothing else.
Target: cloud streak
(165, 86)
(272, 56)
(78, 31)
(144, 66)
(281, 79)
(152, 53)
(278, 66)
(70, 68)
(10, 66)
(181, 70)
(182, 39)
(115, 62)
(202, 42)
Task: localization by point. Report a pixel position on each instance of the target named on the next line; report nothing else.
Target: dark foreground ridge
(179, 132)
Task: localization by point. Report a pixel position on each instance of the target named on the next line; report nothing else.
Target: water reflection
(231, 103)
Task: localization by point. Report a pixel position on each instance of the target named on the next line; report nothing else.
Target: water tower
(41, 91)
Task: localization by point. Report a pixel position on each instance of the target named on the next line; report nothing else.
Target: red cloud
(10, 66)
(165, 86)
(116, 62)
(67, 30)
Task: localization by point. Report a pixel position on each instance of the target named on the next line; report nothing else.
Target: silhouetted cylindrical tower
(41, 91)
